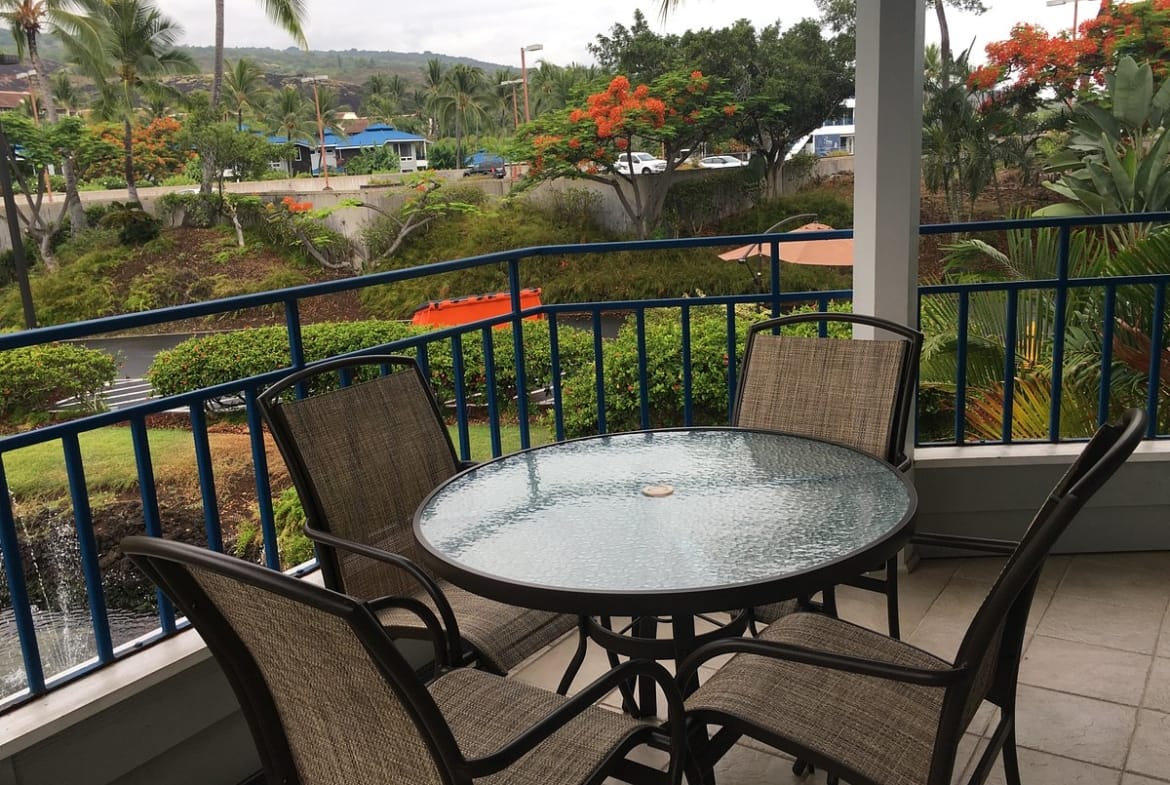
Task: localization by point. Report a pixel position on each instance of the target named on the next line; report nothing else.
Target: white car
(721, 162)
(643, 163)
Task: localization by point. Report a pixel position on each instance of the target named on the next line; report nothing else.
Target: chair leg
(892, 598)
(575, 663)
(1011, 763)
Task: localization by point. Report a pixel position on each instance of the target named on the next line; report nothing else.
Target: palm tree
(66, 94)
(433, 77)
(246, 88)
(136, 47)
(290, 114)
(463, 93)
(288, 14)
(28, 18)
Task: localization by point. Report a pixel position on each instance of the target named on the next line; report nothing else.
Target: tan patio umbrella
(829, 253)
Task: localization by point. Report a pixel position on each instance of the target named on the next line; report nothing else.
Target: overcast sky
(494, 32)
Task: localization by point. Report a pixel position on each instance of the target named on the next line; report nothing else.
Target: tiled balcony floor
(1094, 695)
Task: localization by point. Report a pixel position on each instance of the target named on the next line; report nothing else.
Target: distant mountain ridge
(351, 65)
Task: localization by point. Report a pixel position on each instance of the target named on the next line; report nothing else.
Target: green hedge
(34, 378)
(210, 360)
(664, 371)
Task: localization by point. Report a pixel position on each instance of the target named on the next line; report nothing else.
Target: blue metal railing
(36, 681)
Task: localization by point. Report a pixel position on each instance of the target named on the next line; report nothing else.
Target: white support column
(887, 158)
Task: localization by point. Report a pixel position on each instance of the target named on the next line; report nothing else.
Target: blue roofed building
(411, 149)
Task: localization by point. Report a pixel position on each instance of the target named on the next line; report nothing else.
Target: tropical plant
(290, 115)
(136, 46)
(1116, 157)
(28, 18)
(289, 15)
(1030, 255)
(245, 88)
(461, 97)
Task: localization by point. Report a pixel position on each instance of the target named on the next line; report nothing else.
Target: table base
(642, 642)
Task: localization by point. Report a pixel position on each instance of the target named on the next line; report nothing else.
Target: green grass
(38, 472)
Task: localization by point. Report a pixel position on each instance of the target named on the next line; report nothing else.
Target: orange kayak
(472, 308)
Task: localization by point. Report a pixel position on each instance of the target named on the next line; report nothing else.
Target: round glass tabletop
(661, 512)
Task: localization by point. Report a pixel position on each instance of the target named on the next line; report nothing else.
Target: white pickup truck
(639, 163)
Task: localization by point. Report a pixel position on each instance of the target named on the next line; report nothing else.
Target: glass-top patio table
(669, 522)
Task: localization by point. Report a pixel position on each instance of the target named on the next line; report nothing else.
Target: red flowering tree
(157, 148)
(1031, 59)
(674, 113)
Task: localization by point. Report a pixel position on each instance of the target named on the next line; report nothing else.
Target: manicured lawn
(39, 471)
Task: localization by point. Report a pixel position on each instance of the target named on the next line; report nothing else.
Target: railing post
(34, 674)
(1058, 330)
(1155, 387)
(149, 495)
(518, 352)
(87, 544)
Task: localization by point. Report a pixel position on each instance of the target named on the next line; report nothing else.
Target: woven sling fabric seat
(329, 699)
(503, 635)
(848, 717)
(466, 697)
(873, 710)
(853, 392)
(365, 442)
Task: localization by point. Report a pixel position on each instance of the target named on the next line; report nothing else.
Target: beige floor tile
(1158, 687)
(986, 569)
(1129, 778)
(1083, 669)
(1164, 640)
(1121, 578)
(744, 765)
(1040, 768)
(1073, 726)
(1149, 753)
(1101, 623)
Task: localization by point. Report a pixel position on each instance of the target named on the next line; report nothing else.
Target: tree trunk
(128, 142)
(944, 42)
(73, 207)
(207, 169)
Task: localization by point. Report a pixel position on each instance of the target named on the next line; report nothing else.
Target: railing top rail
(122, 322)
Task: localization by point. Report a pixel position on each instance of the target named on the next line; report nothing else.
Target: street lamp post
(32, 99)
(515, 111)
(524, 75)
(320, 125)
(1066, 2)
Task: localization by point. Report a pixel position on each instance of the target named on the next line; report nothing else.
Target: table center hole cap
(661, 489)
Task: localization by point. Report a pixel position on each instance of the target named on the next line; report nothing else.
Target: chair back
(993, 643)
(855, 392)
(363, 456)
(327, 697)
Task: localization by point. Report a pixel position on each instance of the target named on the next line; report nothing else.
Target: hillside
(352, 66)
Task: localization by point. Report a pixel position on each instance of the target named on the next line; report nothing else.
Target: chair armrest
(985, 544)
(904, 464)
(439, 639)
(587, 697)
(817, 657)
(406, 565)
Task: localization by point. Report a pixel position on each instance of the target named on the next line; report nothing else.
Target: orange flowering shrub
(156, 149)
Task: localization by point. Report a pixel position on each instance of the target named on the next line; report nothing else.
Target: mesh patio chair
(362, 456)
(330, 701)
(854, 392)
(873, 710)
